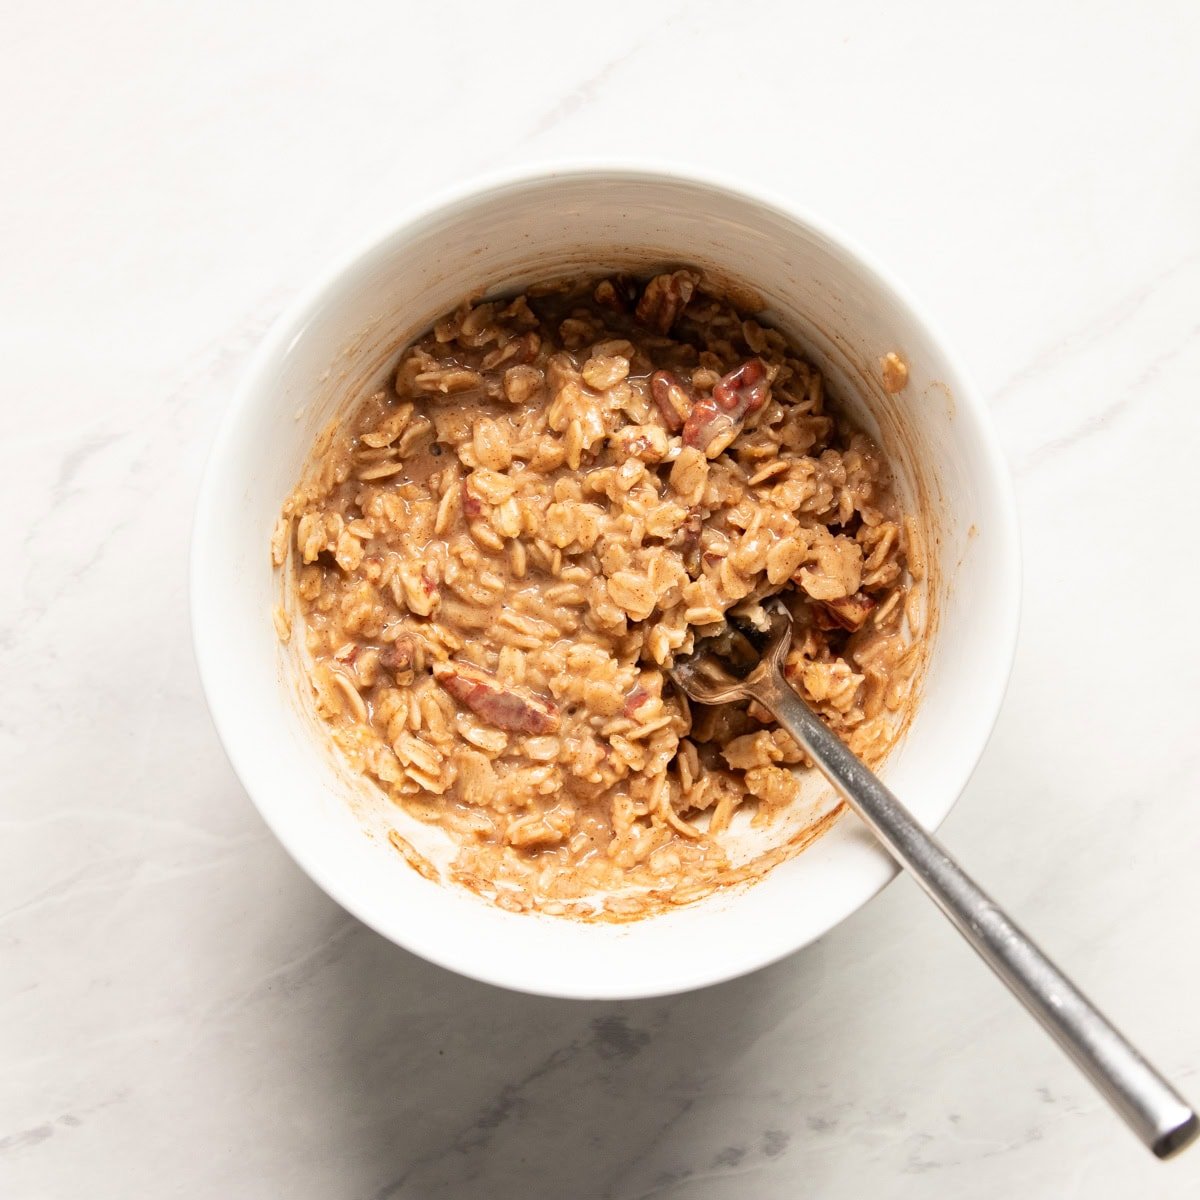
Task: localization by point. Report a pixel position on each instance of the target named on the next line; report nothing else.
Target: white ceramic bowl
(342, 335)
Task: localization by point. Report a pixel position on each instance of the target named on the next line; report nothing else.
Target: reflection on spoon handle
(1146, 1101)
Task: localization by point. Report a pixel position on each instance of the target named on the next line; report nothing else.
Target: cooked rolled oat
(499, 556)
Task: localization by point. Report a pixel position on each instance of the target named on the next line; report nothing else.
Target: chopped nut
(848, 612)
(399, 659)
(716, 421)
(673, 399)
(505, 707)
(665, 297)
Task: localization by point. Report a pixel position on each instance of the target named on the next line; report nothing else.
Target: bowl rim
(288, 325)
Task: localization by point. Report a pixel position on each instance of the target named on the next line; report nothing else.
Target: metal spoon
(1148, 1104)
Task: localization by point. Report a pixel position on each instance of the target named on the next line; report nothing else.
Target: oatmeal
(895, 373)
(496, 560)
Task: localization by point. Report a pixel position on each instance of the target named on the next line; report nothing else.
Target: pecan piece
(687, 541)
(617, 293)
(673, 399)
(400, 658)
(744, 389)
(846, 612)
(715, 421)
(665, 297)
(505, 707)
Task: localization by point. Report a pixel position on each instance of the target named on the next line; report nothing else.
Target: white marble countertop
(182, 1013)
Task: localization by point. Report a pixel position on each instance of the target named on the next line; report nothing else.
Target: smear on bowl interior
(497, 556)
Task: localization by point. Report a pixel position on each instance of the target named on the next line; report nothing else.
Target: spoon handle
(1146, 1101)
